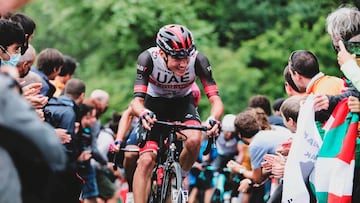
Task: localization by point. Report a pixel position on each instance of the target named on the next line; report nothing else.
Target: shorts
(133, 137)
(105, 186)
(90, 188)
(171, 109)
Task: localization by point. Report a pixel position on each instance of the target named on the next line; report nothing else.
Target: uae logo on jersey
(141, 68)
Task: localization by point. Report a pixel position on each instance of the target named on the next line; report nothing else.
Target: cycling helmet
(228, 123)
(176, 40)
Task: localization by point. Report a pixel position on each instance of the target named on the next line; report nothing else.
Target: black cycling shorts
(172, 109)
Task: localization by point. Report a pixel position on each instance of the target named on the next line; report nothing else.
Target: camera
(47, 116)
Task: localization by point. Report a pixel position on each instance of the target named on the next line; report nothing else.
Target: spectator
(289, 111)
(276, 106)
(229, 147)
(290, 87)
(305, 72)
(86, 140)
(49, 65)
(66, 186)
(263, 102)
(343, 24)
(26, 143)
(11, 40)
(67, 71)
(105, 178)
(103, 98)
(28, 25)
(64, 109)
(26, 61)
(249, 124)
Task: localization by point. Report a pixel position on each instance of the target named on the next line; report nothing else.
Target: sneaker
(129, 197)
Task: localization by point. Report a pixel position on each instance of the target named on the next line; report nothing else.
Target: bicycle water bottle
(160, 175)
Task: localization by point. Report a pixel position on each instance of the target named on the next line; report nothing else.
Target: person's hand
(115, 146)
(321, 102)
(354, 104)
(343, 55)
(277, 162)
(244, 185)
(235, 167)
(214, 127)
(266, 167)
(198, 166)
(40, 113)
(37, 101)
(84, 156)
(32, 89)
(147, 119)
(11, 5)
(284, 147)
(278, 168)
(63, 135)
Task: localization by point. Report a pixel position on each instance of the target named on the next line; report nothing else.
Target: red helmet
(176, 40)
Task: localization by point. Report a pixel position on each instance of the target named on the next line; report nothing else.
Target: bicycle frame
(166, 177)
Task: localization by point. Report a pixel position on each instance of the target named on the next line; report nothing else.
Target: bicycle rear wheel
(172, 185)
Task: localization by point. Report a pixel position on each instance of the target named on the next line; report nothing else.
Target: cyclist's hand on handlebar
(115, 146)
(147, 119)
(214, 127)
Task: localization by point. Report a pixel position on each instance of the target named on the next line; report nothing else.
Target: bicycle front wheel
(172, 185)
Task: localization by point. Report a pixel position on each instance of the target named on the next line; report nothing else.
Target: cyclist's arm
(217, 107)
(144, 69)
(204, 72)
(124, 124)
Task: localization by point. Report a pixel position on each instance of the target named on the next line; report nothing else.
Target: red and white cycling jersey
(155, 79)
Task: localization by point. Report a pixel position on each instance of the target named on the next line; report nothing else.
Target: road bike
(166, 178)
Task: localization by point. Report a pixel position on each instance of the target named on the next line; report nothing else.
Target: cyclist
(163, 87)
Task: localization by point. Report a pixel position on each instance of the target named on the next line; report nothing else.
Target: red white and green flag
(332, 177)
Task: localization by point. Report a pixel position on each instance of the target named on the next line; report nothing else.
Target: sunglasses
(290, 61)
(182, 53)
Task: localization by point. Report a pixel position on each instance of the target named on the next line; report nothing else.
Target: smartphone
(353, 47)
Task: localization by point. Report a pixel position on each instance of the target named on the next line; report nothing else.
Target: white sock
(184, 173)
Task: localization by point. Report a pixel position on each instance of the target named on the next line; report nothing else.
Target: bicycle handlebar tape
(208, 147)
(143, 134)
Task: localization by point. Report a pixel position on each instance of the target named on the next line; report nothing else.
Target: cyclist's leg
(130, 159)
(191, 149)
(145, 165)
(189, 115)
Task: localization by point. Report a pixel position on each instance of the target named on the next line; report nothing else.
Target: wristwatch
(250, 182)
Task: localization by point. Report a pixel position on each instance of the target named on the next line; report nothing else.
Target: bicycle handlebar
(181, 126)
(177, 126)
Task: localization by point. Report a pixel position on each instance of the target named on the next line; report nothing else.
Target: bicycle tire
(172, 185)
(154, 190)
(153, 195)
